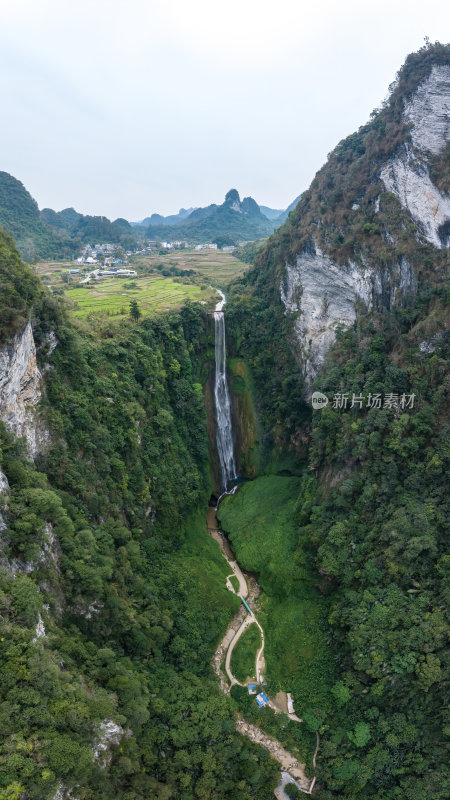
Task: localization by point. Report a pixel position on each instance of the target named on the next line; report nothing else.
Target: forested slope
(20, 216)
(112, 595)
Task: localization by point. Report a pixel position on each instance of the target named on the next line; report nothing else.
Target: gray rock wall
(324, 295)
(20, 390)
(4, 489)
(407, 174)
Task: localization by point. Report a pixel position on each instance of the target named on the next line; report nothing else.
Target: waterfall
(224, 431)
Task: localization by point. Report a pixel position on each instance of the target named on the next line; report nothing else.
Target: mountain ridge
(20, 217)
(48, 233)
(220, 222)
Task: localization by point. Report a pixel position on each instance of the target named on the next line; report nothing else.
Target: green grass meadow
(244, 654)
(259, 520)
(152, 294)
(200, 559)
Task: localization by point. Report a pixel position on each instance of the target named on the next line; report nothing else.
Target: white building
(118, 273)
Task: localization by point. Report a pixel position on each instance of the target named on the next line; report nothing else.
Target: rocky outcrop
(429, 111)
(324, 295)
(110, 733)
(40, 629)
(407, 176)
(428, 346)
(4, 489)
(407, 173)
(20, 390)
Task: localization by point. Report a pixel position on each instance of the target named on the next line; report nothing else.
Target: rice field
(211, 265)
(154, 291)
(153, 294)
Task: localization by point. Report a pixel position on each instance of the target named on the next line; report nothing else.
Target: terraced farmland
(211, 265)
(164, 281)
(152, 294)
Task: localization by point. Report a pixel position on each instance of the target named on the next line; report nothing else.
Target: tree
(135, 311)
(291, 790)
(361, 735)
(341, 693)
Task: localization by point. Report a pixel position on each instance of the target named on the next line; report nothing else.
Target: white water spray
(224, 431)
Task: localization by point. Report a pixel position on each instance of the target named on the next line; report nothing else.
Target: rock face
(40, 629)
(20, 390)
(324, 295)
(4, 489)
(429, 111)
(407, 174)
(110, 733)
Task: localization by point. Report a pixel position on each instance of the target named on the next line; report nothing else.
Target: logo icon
(319, 400)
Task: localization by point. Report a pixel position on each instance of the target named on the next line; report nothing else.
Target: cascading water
(224, 431)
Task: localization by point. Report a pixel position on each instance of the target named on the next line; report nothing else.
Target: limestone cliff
(407, 174)
(20, 390)
(4, 488)
(323, 296)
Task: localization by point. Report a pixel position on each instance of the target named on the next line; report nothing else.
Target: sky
(130, 107)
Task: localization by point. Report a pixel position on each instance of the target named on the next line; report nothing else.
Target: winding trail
(292, 770)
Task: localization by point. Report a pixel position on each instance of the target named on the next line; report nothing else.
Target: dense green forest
(20, 216)
(371, 516)
(133, 595)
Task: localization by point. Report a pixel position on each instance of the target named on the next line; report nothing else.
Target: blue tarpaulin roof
(262, 699)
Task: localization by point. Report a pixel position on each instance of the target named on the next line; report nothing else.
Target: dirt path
(248, 588)
(277, 751)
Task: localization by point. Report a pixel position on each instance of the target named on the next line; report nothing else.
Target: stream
(292, 771)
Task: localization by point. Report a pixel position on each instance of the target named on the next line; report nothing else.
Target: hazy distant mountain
(279, 214)
(172, 219)
(255, 220)
(229, 223)
(233, 221)
(293, 205)
(271, 213)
